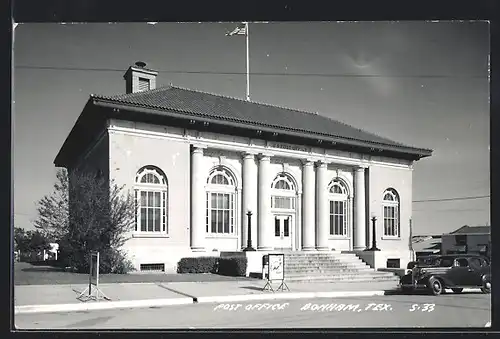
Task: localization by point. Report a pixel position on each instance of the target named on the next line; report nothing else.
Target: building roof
(431, 244)
(181, 103)
(472, 230)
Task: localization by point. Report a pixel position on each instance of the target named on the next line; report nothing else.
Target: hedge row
(230, 266)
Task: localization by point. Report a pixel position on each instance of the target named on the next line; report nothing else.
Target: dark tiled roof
(216, 107)
(472, 230)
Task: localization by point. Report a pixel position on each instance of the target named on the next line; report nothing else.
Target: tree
(53, 209)
(88, 213)
(20, 240)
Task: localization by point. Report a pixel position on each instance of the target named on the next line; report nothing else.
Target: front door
(282, 231)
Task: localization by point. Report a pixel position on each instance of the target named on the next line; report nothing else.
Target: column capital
(264, 156)
(360, 168)
(308, 161)
(321, 164)
(248, 155)
(198, 147)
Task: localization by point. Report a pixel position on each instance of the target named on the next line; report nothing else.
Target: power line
(454, 199)
(325, 75)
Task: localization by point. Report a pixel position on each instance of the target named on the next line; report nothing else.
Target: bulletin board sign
(92, 292)
(94, 268)
(276, 267)
(276, 272)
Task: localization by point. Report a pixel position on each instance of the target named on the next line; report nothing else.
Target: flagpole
(248, 62)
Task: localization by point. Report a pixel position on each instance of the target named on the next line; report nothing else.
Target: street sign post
(276, 272)
(94, 293)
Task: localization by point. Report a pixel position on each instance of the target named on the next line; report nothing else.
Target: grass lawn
(29, 274)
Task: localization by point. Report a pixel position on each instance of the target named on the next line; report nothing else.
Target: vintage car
(454, 271)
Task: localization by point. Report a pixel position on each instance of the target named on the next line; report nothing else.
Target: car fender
(486, 277)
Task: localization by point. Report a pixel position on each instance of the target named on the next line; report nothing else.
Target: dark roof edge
(419, 152)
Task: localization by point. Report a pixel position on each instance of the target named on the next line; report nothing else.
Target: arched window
(151, 196)
(391, 213)
(221, 196)
(338, 200)
(284, 192)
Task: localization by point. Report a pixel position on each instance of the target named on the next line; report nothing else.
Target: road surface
(449, 310)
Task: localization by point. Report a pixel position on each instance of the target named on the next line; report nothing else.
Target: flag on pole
(240, 30)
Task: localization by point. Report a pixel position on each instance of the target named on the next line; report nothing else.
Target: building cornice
(255, 149)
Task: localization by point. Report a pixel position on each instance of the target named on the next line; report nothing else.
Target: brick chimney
(138, 78)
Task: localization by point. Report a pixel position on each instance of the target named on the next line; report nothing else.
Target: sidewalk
(62, 298)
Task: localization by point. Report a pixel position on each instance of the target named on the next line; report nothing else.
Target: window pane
(226, 221)
(157, 201)
(286, 227)
(276, 227)
(143, 199)
(150, 218)
(219, 222)
(332, 232)
(214, 221)
(214, 200)
(220, 200)
(150, 199)
(225, 199)
(143, 219)
(341, 225)
(331, 207)
(157, 219)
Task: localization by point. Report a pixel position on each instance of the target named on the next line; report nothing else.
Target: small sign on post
(276, 272)
(94, 293)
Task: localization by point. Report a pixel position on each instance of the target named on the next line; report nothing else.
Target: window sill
(221, 236)
(391, 238)
(338, 237)
(149, 235)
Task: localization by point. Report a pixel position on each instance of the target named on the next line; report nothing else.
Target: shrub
(197, 265)
(233, 266)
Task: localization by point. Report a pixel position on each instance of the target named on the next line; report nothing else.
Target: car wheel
(486, 287)
(457, 290)
(436, 286)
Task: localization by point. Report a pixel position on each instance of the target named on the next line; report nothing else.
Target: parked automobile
(454, 271)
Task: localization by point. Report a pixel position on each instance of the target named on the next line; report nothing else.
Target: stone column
(359, 208)
(198, 223)
(249, 199)
(322, 215)
(265, 228)
(308, 214)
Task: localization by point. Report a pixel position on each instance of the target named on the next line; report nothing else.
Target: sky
(423, 84)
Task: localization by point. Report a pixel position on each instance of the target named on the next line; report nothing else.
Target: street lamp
(374, 235)
(249, 233)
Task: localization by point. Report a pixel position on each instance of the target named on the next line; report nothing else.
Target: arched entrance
(284, 211)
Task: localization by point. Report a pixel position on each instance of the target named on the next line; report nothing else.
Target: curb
(280, 296)
(105, 305)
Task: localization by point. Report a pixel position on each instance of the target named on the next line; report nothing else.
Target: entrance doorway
(283, 225)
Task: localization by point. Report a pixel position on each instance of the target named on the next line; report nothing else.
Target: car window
(461, 262)
(444, 262)
(475, 262)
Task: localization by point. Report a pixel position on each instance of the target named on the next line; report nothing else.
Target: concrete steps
(331, 267)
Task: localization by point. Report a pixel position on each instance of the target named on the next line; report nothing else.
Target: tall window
(151, 196)
(284, 192)
(338, 200)
(221, 196)
(391, 213)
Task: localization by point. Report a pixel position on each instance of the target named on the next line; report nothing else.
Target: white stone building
(197, 162)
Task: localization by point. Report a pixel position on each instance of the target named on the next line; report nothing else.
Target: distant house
(423, 245)
(467, 239)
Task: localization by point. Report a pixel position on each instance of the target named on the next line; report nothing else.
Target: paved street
(449, 310)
